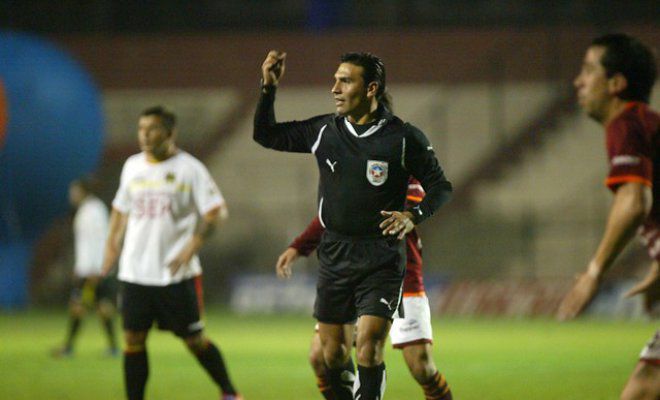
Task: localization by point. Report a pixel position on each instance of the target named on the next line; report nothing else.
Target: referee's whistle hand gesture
(396, 223)
(273, 67)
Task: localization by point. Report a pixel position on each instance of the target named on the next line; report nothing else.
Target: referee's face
(350, 91)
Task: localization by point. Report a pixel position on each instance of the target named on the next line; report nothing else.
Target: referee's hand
(396, 223)
(273, 68)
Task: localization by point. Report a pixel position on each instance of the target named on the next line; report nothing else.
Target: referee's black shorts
(358, 276)
(175, 307)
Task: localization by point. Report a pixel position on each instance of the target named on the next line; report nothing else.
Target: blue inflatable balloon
(51, 132)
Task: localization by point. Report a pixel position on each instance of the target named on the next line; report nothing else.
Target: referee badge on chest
(376, 172)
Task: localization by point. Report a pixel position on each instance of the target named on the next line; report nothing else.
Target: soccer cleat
(232, 397)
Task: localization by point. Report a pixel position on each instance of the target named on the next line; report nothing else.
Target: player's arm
(116, 230)
(303, 245)
(205, 228)
(632, 203)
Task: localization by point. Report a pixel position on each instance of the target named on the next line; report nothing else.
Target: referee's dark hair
(166, 116)
(629, 57)
(374, 71)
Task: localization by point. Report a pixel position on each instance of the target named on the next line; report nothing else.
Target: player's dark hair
(166, 116)
(374, 71)
(629, 57)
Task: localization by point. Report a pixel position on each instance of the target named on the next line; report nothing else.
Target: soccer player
(166, 206)
(413, 334)
(90, 229)
(365, 155)
(614, 87)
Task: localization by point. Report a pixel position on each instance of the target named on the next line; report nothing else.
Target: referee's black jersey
(360, 174)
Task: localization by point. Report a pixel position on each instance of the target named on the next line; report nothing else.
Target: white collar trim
(369, 131)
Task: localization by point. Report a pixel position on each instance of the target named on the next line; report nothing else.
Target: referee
(365, 155)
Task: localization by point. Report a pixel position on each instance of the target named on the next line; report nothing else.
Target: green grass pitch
(483, 359)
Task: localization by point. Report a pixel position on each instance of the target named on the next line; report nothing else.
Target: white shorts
(415, 327)
(651, 352)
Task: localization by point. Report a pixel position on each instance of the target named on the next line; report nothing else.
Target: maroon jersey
(633, 153)
(413, 283)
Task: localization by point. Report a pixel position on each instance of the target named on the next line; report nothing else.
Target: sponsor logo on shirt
(625, 160)
(152, 206)
(377, 172)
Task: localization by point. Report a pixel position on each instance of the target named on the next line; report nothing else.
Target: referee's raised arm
(272, 71)
(293, 136)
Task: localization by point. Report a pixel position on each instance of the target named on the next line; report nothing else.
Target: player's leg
(419, 360)
(644, 382)
(413, 334)
(371, 336)
(210, 358)
(180, 310)
(317, 362)
(336, 343)
(136, 364)
(106, 311)
(137, 315)
(76, 313)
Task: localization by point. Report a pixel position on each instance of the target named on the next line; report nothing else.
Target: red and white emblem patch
(376, 172)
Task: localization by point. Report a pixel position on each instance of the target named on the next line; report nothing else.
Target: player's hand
(273, 68)
(645, 284)
(579, 297)
(183, 259)
(396, 223)
(284, 262)
(186, 254)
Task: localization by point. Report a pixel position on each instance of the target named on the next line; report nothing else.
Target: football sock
(341, 380)
(370, 382)
(437, 388)
(74, 327)
(108, 325)
(212, 361)
(136, 372)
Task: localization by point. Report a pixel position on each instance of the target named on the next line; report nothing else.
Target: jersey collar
(385, 116)
(369, 131)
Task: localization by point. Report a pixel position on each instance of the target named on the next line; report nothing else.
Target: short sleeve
(629, 154)
(206, 193)
(122, 200)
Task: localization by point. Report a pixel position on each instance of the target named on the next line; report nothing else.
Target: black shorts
(175, 307)
(358, 276)
(92, 291)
